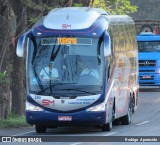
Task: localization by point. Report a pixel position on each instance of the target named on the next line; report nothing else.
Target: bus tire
(133, 104)
(126, 120)
(116, 122)
(40, 129)
(107, 127)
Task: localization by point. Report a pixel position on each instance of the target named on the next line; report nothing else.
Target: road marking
(144, 122)
(76, 143)
(108, 134)
(24, 133)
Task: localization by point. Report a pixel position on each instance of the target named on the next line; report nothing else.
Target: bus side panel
(125, 72)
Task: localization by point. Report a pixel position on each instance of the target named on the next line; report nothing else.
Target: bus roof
(77, 17)
(78, 20)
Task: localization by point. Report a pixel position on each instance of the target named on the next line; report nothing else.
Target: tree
(5, 64)
(114, 6)
(19, 10)
(70, 2)
(120, 7)
(20, 18)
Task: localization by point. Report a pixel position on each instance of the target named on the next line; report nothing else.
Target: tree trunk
(70, 2)
(91, 3)
(86, 3)
(18, 90)
(5, 67)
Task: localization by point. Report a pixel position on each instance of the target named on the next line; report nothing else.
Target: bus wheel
(132, 104)
(126, 120)
(116, 122)
(40, 128)
(107, 127)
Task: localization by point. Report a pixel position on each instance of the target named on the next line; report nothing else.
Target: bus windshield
(57, 65)
(149, 46)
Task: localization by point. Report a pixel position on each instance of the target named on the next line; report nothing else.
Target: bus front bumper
(64, 119)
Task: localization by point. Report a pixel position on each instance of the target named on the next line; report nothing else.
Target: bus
(94, 60)
(148, 39)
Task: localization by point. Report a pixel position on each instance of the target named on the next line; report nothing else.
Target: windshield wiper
(79, 89)
(51, 86)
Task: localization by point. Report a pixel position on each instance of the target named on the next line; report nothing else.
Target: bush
(13, 122)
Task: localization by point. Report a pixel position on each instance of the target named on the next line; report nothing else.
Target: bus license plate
(64, 118)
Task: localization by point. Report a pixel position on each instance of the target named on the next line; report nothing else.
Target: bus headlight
(31, 107)
(99, 107)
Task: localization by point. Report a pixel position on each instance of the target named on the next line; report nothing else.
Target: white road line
(108, 134)
(76, 143)
(24, 133)
(144, 122)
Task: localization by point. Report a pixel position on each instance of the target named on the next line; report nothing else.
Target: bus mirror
(21, 44)
(107, 44)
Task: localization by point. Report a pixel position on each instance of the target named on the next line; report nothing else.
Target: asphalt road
(145, 124)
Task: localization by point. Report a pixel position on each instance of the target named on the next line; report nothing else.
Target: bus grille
(146, 70)
(145, 78)
(147, 62)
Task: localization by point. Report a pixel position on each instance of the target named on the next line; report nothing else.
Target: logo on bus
(146, 63)
(46, 102)
(66, 26)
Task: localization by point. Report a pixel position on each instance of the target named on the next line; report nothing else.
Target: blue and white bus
(94, 56)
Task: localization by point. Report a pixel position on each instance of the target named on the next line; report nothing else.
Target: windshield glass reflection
(66, 66)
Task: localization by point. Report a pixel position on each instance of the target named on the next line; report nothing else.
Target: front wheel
(40, 128)
(107, 127)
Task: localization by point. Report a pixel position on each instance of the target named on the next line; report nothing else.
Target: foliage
(13, 122)
(32, 20)
(2, 75)
(123, 7)
(5, 76)
(115, 6)
(77, 5)
(98, 4)
(35, 5)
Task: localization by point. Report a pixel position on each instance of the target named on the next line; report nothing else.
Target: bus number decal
(37, 97)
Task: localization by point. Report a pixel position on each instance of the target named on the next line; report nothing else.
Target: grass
(14, 122)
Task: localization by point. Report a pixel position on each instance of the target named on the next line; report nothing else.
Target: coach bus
(81, 69)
